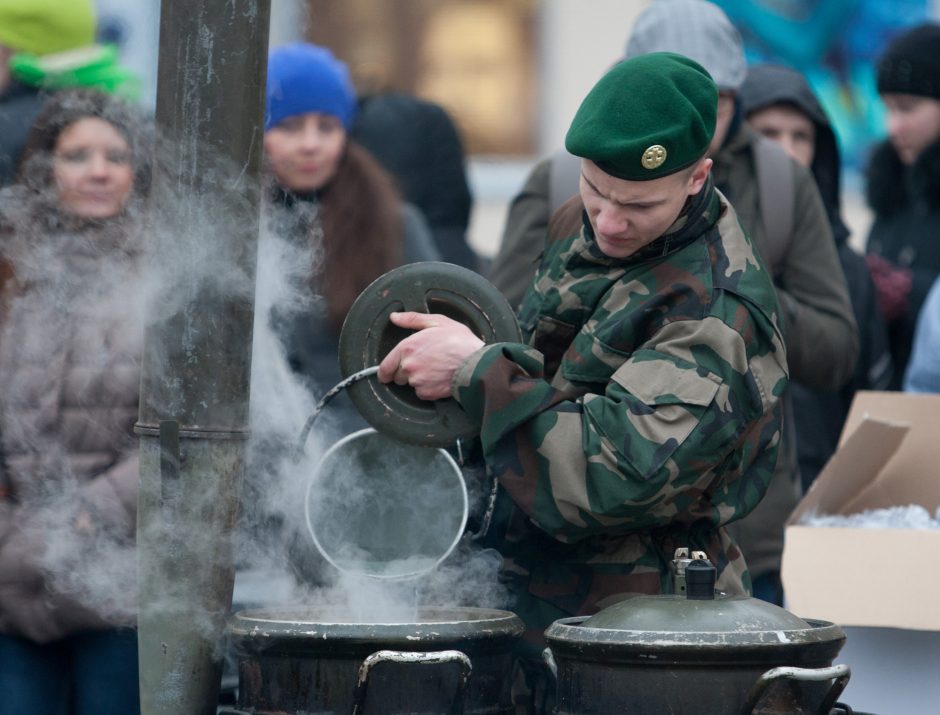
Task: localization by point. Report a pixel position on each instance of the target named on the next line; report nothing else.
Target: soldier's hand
(428, 359)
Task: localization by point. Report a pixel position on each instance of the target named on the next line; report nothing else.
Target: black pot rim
(819, 643)
(262, 629)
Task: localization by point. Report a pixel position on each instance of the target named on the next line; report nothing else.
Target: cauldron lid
(723, 621)
(677, 613)
(367, 337)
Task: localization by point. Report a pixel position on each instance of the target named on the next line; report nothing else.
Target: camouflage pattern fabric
(643, 415)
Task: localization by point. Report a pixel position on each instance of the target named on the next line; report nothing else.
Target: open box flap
(912, 475)
(853, 470)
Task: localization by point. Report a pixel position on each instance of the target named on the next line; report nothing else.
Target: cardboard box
(888, 455)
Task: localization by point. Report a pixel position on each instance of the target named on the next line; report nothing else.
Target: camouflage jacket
(643, 414)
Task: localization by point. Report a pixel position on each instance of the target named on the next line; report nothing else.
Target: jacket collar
(700, 213)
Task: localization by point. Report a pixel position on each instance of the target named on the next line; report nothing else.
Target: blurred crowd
(361, 183)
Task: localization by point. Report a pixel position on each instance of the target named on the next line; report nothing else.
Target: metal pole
(193, 419)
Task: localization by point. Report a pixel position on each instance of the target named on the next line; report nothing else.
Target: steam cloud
(275, 554)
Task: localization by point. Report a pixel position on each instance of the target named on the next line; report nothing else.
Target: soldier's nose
(610, 222)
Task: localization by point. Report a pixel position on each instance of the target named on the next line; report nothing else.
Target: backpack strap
(776, 186)
(563, 179)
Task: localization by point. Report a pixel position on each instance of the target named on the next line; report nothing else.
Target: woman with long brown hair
(70, 347)
(332, 197)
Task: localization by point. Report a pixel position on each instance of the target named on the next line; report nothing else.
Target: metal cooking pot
(313, 661)
(695, 652)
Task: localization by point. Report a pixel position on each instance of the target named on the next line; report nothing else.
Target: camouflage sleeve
(686, 429)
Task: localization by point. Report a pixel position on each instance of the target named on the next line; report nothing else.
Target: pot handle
(415, 658)
(839, 674)
(549, 659)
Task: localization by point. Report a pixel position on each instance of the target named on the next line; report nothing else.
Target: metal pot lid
(697, 618)
(697, 608)
(723, 614)
(368, 336)
(696, 625)
(670, 621)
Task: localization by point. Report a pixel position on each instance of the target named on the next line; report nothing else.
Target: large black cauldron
(695, 652)
(315, 661)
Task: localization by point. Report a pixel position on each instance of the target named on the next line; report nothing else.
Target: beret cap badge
(653, 157)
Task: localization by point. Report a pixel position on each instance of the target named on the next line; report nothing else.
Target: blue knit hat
(306, 78)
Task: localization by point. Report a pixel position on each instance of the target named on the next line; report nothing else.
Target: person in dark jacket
(779, 103)
(39, 27)
(417, 142)
(904, 186)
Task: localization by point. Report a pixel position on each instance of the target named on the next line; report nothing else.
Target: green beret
(648, 117)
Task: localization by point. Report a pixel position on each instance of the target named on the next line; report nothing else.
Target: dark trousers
(768, 587)
(92, 673)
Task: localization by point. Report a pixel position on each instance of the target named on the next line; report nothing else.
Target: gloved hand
(892, 284)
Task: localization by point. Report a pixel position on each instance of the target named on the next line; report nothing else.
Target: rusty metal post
(193, 421)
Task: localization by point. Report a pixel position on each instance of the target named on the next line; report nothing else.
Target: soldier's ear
(698, 175)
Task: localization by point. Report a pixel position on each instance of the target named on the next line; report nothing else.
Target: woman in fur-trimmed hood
(904, 186)
(71, 340)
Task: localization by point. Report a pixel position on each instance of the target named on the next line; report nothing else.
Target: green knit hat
(41, 27)
(648, 117)
(90, 66)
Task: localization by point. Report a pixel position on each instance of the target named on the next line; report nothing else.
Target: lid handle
(680, 561)
(700, 578)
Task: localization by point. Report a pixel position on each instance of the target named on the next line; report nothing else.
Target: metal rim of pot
(568, 636)
(312, 627)
(459, 510)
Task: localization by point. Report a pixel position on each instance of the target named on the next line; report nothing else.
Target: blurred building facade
(511, 72)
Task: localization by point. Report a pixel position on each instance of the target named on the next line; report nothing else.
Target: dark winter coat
(19, 106)
(820, 414)
(523, 239)
(906, 231)
(417, 142)
(819, 325)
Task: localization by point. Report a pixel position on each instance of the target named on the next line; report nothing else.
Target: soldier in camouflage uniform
(642, 414)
